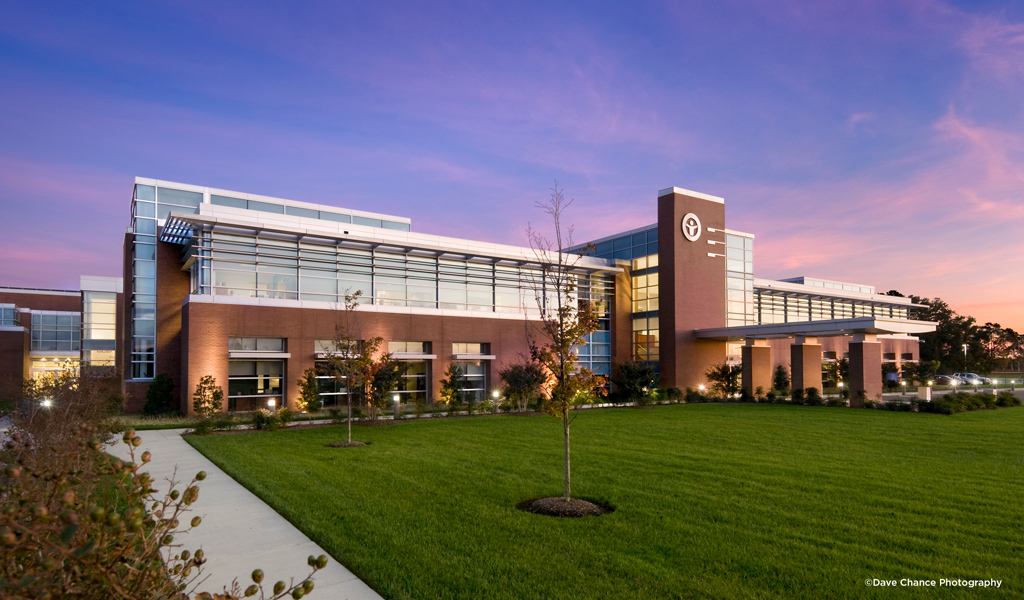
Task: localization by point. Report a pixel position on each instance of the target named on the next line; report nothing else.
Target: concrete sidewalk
(239, 532)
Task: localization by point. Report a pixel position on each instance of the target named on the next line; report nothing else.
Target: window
(253, 383)
(408, 347)
(889, 356)
(476, 379)
(413, 387)
(470, 348)
(907, 356)
(828, 355)
(56, 331)
(256, 344)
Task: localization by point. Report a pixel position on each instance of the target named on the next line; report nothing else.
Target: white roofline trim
(691, 193)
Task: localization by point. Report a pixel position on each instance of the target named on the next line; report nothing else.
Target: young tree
(725, 379)
(387, 375)
(208, 397)
(566, 319)
(160, 396)
(309, 392)
(634, 380)
(452, 384)
(351, 362)
(523, 382)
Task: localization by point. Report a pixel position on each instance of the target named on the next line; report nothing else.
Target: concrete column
(805, 361)
(865, 368)
(757, 365)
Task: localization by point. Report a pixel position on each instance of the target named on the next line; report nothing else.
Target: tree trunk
(348, 417)
(565, 427)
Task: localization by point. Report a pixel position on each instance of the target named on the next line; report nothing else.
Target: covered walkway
(805, 352)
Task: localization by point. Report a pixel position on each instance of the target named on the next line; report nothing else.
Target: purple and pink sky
(878, 142)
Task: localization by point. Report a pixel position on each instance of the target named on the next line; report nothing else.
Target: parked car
(947, 380)
(972, 378)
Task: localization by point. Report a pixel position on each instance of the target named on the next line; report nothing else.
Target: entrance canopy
(834, 327)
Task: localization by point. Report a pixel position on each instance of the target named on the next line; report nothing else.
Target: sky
(876, 142)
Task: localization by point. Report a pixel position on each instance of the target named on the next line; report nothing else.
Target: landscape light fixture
(272, 403)
(46, 403)
(701, 387)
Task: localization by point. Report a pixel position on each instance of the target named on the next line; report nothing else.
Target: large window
(56, 331)
(476, 379)
(253, 384)
(99, 328)
(9, 315)
(263, 266)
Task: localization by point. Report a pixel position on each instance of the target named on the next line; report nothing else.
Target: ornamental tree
(566, 319)
(208, 397)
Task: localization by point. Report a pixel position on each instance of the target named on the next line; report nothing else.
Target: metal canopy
(833, 327)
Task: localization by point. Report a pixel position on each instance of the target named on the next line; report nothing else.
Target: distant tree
(523, 382)
(160, 396)
(208, 397)
(725, 379)
(634, 381)
(952, 331)
(780, 380)
(309, 392)
(894, 293)
(387, 375)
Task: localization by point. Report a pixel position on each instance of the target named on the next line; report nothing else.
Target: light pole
(495, 395)
(397, 406)
(965, 358)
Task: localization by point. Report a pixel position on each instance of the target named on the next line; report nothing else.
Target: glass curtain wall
(150, 206)
(99, 328)
(787, 307)
(739, 280)
(263, 266)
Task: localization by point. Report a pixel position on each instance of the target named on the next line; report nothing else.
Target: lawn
(712, 501)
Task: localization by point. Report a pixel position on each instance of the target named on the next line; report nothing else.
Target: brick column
(865, 368)
(757, 365)
(805, 361)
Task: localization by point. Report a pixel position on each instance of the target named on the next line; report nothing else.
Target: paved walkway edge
(239, 531)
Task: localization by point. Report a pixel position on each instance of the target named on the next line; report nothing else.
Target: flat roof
(209, 191)
(833, 327)
(179, 227)
(814, 290)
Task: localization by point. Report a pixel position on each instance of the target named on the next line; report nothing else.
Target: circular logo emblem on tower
(691, 227)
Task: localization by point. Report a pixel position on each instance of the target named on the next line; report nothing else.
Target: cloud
(995, 47)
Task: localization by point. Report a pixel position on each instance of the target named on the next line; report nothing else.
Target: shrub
(797, 397)
(336, 415)
(759, 394)
(203, 426)
(86, 525)
(264, 419)
(634, 381)
(1007, 399)
(746, 396)
(834, 401)
(208, 397)
(225, 422)
(286, 415)
(871, 404)
(523, 382)
(309, 392)
(160, 396)
(673, 394)
(813, 397)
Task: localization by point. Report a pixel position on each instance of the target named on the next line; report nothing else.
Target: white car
(972, 379)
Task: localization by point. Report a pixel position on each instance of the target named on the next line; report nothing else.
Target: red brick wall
(692, 289)
(209, 325)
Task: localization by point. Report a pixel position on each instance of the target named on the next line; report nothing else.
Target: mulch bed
(558, 507)
(351, 444)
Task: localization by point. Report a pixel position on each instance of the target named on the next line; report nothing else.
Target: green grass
(713, 501)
